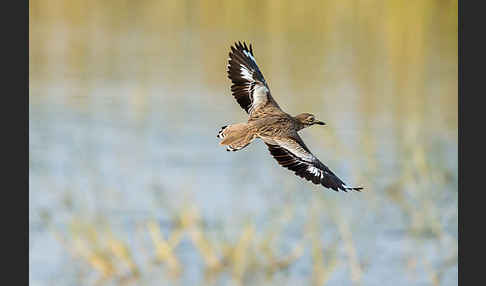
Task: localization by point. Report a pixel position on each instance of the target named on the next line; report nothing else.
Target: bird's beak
(320, 123)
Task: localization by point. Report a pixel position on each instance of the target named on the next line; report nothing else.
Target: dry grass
(252, 256)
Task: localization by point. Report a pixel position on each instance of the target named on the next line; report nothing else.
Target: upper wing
(249, 87)
(292, 154)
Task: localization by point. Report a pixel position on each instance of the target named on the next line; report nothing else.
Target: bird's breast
(273, 126)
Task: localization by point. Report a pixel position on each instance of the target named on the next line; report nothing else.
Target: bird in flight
(272, 125)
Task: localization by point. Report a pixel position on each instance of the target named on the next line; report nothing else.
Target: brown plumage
(268, 122)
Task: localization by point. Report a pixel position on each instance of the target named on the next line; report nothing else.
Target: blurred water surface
(125, 100)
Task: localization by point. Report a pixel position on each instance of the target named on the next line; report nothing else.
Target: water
(123, 117)
(100, 161)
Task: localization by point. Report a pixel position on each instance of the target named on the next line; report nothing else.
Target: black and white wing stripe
(292, 154)
(249, 87)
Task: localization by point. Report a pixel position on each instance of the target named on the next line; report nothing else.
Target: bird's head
(307, 119)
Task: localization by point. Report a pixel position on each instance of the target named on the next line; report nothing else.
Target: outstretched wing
(249, 87)
(292, 154)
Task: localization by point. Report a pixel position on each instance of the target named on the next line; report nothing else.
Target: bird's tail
(235, 136)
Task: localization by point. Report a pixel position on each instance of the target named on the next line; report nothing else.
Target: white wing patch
(259, 93)
(297, 150)
(315, 171)
(246, 74)
(259, 96)
(248, 54)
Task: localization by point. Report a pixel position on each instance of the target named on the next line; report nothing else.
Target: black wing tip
(242, 46)
(343, 188)
(337, 188)
(357, 189)
(337, 185)
(239, 55)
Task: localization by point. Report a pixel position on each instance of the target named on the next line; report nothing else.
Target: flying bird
(267, 121)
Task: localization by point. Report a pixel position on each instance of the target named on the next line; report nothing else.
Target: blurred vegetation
(397, 52)
(385, 68)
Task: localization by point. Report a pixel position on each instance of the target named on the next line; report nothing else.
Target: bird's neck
(299, 125)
